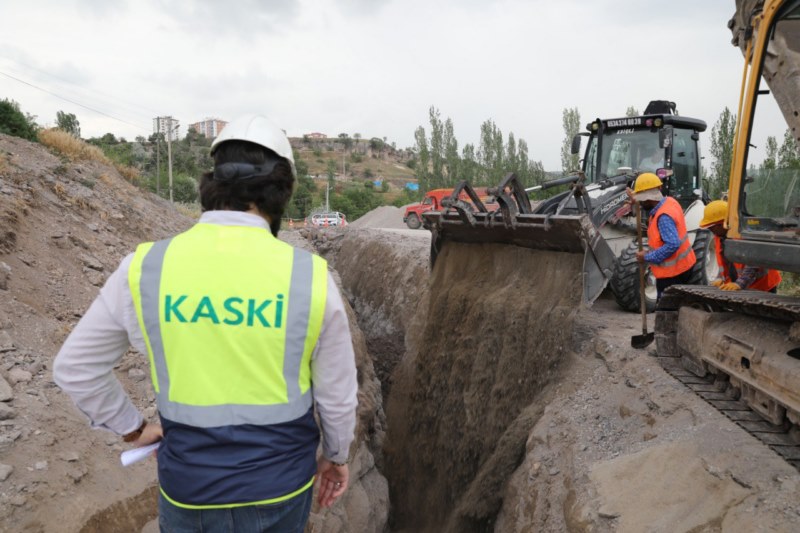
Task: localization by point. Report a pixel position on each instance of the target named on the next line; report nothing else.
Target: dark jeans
(681, 279)
(284, 517)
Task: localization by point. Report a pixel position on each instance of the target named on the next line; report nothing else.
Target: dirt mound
(385, 216)
(462, 407)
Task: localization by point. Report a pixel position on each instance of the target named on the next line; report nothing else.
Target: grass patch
(189, 210)
(75, 150)
(4, 166)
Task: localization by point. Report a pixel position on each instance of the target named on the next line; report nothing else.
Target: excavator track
(714, 387)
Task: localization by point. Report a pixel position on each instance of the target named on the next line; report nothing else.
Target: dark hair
(269, 194)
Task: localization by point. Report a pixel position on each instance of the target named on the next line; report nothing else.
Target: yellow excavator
(740, 350)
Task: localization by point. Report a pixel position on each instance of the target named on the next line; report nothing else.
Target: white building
(168, 126)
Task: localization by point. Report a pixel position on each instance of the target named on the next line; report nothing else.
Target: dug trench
(509, 407)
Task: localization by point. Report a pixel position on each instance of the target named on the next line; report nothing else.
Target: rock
(40, 465)
(18, 500)
(6, 394)
(6, 412)
(137, 374)
(10, 437)
(624, 412)
(5, 471)
(95, 277)
(5, 275)
(648, 436)
(607, 513)
(91, 262)
(70, 457)
(553, 471)
(76, 475)
(17, 375)
(6, 344)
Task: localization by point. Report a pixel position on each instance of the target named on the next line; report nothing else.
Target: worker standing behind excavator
(735, 276)
(670, 256)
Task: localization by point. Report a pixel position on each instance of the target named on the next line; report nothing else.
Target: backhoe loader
(593, 217)
(740, 350)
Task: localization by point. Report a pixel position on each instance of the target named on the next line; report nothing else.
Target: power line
(74, 102)
(109, 97)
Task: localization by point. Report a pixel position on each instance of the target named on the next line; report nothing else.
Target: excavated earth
(489, 399)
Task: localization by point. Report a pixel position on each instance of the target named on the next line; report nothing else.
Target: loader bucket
(509, 223)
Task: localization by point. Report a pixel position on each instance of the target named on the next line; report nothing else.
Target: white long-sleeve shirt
(84, 367)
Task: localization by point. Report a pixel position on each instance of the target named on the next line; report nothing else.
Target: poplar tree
(722, 152)
(571, 120)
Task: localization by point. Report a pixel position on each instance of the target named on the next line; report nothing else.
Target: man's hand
(717, 283)
(640, 256)
(150, 434)
(732, 286)
(331, 481)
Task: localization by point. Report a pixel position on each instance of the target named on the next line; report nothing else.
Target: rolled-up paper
(128, 457)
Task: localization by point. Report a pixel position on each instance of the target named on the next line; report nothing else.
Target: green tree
(771, 159)
(722, 152)
(451, 158)
(437, 149)
(631, 112)
(571, 120)
(346, 140)
(14, 122)
(69, 123)
(788, 155)
(423, 159)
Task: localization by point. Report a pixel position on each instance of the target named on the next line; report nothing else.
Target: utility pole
(158, 164)
(171, 125)
(344, 171)
(327, 205)
(169, 158)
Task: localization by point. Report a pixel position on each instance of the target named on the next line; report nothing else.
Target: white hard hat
(259, 130)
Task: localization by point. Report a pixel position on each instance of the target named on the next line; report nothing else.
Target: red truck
(433, 202)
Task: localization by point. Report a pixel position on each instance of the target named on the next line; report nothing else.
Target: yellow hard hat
(645, 182)
(714, 213)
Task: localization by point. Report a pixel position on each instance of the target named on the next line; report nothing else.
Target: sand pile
(385, 216)
(462, 407)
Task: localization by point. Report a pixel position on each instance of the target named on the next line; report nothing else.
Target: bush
(14, 122)
(70, 147)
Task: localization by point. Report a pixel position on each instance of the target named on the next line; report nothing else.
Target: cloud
(245, 19)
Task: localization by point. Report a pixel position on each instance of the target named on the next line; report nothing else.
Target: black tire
(413, 221)
(706, 269)
(625, 282)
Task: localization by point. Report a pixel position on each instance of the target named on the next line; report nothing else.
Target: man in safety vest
(735, 276)
(245, 336)
(671, 257)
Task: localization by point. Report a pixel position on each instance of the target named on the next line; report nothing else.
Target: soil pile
(385, 216)
(462, 406)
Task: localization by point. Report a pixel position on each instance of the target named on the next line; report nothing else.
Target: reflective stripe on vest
(684, 258)
(213, 322)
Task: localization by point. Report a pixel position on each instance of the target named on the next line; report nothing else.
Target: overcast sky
(372, 67)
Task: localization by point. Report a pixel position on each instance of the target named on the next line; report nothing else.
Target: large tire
(413, 221)
(625, 282)
(706, 269)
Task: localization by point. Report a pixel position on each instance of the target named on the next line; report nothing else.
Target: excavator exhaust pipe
(511, 220)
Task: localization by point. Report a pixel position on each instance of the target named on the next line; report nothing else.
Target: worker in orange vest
(671, 257)
(735, 276)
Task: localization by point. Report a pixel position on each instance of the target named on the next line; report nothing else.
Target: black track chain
(755, 303)
(775, 437)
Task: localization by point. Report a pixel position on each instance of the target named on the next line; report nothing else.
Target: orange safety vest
(683, 259)
(765, 283)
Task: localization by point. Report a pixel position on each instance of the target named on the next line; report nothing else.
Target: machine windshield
(771, 200)
(635, 149)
